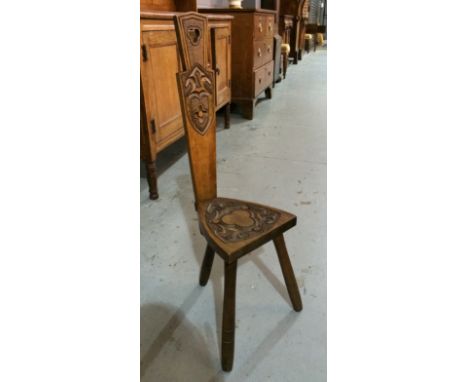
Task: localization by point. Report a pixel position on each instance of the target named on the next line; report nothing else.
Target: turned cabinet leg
(296, 58)
(285, 65)
(269, 92)
(227, 116)
(229, 316)
(288, 273)
(300, 54)
(152, 179)
(206, 265)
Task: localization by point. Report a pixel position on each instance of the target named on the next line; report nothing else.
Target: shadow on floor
(172, 349)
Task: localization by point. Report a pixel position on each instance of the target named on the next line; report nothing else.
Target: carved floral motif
(233, 221)
(198, 91)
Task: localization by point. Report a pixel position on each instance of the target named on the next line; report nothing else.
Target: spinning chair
(232, 228)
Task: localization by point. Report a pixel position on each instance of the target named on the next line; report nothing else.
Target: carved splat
(192, 30)
(234, 221)
(198, 97)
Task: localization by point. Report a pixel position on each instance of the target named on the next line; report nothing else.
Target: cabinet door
(221, 47)
(159, 65)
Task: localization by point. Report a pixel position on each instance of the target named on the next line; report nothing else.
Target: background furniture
(160, 115)
(232, 228)
(303, 21)
(294, 9)
(252, 55)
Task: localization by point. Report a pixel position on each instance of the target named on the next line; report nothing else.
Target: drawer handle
(269, 27)
(260, 27)
(269, 49)
(259, 52)
(218, 71)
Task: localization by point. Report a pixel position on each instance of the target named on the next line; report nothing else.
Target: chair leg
(285, 65)
(206, 265)
(288, 273)
(229, 316)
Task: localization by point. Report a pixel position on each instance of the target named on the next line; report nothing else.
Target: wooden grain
(231, 251)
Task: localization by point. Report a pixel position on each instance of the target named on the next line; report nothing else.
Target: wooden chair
(231, 227)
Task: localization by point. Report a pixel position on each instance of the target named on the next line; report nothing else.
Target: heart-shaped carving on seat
(240, 218)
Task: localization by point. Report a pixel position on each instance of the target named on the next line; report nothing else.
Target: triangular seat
(236, 227)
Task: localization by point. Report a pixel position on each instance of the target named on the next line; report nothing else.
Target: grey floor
(278, 159)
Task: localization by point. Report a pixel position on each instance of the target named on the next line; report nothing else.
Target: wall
(225, 4)
(213, 3)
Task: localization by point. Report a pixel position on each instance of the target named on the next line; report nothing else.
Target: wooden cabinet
(161, 117)
(252, 55)
(221, 61)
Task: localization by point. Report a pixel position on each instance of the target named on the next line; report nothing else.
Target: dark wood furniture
(252, 55)
(304, 19)
(232, 228)
(286, 23)
(160, 115)
(294, 9)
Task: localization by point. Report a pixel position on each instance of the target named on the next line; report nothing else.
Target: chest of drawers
(252, 55)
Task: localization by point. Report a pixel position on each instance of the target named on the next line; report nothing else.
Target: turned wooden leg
(227, 116)
(296, 58)
(229, 316)
(152, 179)
(300, 54)
(288, 273)
(206, 265)
(269, 92)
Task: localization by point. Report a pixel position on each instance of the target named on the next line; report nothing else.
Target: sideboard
(160, 114)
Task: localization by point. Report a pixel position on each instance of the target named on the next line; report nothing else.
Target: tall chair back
(197, 96)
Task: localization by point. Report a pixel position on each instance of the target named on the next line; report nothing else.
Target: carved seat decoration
(233, 221)
(232, 228)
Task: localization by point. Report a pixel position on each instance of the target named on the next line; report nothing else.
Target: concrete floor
(278, 159)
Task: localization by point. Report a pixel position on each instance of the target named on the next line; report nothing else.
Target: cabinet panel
(163, 105)
(221, 45)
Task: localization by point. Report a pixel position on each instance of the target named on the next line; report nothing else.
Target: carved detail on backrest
(197, 89)
(192, 31)
(196, 84)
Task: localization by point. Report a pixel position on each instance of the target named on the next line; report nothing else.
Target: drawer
(269, 70)
(263, 52)
(263, 78)
(259, 53)
(268, 55)
(269, 26)
(260, 80)
(259, 27)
